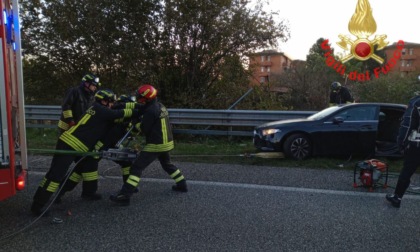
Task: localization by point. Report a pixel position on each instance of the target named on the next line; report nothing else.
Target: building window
(408, 63)
(262, 58)
(268, 69)
(403, 51)
(262, 79)
(411, 51)
(268, 58)
(402, 63)
(262, 69)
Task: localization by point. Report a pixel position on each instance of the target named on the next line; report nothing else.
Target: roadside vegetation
(207, 149)
(194, 52)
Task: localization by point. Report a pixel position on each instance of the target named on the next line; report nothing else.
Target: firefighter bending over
(87, 169)
(93, 125)
(159, 141)
(339, 94)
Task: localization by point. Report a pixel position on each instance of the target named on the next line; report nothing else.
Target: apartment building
(266, 64)
(409, 62)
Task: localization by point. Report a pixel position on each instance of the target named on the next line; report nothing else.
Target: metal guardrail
(185, 121)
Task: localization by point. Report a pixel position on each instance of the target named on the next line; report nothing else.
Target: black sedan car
(367, 129)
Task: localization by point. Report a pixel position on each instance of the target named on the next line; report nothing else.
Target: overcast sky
(310, 20)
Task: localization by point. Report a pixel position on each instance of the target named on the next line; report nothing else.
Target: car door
(350, 130)
(389, 121)
(366, 118)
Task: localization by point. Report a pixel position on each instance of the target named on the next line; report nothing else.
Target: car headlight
(266, 132)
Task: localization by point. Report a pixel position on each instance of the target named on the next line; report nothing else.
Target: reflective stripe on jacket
(156, 128)
(93, 126)
(75, 103)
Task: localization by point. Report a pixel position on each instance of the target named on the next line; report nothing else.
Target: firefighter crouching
(82, 137)
(159, 142)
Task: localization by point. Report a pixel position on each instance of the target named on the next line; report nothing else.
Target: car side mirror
(338, 120)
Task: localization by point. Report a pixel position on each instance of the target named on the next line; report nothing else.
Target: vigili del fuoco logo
(362, 25)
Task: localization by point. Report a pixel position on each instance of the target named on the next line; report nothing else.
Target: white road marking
(264, 187)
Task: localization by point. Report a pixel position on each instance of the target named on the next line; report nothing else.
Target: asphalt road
(227, 208)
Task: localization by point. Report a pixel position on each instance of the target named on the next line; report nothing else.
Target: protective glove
(72, 123)
(137, 126)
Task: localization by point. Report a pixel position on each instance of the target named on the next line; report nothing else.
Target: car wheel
(298, 147)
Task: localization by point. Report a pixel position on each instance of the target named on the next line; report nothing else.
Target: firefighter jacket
(410, 122)
(128, 105)
(156, 128)
(341, 96)
(75, 103)
(121, 126)
(93, 126)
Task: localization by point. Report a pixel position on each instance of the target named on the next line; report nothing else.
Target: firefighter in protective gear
(76, 101)
(87, 169)
(339, 94)
(119, 130)
(409, 142)
(93, 126)
(159, 142)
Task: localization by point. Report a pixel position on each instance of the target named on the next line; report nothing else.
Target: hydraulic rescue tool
(120, 153)
(125, 154)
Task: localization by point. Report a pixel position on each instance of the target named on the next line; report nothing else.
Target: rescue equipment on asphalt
(370, 172)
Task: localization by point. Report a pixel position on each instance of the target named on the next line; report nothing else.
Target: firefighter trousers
(87, 171)
(57, 173)
(410, 164)
(125, 169)
(143, 161)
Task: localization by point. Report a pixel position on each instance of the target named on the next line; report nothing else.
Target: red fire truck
(13, 149)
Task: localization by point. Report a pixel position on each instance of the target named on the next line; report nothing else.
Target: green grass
(212, 149)
(41, 138)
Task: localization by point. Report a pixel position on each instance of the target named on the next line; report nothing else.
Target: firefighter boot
(394, 199)
(181, 186)
(37, 210)
(120, 198)
(89, 188)
(41, 198)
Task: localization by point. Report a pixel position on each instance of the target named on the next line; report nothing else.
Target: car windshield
(323, 113)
